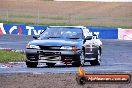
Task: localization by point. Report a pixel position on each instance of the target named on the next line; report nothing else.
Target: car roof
(69, 26)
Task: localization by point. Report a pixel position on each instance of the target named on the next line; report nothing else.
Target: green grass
(122, 19)
(9, 56)
(41, 17)
(52, 17)
(21, 16)
(63, 24)
(32, 23)
(117, 26)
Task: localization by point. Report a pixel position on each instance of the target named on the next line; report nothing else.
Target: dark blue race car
(64, 44)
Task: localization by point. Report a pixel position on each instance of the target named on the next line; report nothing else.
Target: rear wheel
(32, 64)
(50, 64)
(97, 60)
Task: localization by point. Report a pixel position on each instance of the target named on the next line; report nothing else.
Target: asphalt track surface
(116, 57)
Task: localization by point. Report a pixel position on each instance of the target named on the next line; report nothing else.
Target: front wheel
(97, 60)
(81, 62)
(50, 64)
(31, 64)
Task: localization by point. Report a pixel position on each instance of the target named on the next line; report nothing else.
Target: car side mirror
(94, 35)
(36, 36)
(88, 38)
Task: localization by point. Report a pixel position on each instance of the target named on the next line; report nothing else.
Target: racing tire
(50, 64)
(97, 60)
(81, 62)
(76, 64)
(31, 64)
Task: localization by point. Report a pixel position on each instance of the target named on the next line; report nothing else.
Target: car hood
(58, 42)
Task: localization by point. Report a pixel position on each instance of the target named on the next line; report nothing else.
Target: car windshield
(62, 32)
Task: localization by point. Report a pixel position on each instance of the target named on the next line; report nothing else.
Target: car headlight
(69, 48)
(33, 46)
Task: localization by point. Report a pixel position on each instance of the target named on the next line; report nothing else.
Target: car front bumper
(48, 56)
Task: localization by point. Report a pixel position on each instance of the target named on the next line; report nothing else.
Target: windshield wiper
(74, 38)
(53, 37)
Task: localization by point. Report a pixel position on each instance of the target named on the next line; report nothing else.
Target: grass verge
(9, 56)
(62, 24)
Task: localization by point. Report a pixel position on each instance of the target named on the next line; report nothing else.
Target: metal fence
(32, 12)
(65, 13)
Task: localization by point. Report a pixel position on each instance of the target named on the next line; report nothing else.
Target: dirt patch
(78, 13)
(50, 80)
